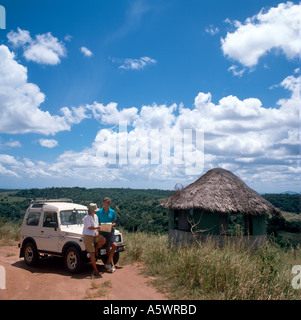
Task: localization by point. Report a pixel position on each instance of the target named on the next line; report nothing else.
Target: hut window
(245, 224)
(236, 225)
(223, 223)
(181, 220)
(248, 225)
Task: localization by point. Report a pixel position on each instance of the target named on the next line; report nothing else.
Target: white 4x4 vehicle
(54, 227)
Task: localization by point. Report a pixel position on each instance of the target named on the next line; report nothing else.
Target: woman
(92, 240)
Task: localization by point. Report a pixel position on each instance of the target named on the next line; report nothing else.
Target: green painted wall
(259, 225)
(208, 221)
(171, 221)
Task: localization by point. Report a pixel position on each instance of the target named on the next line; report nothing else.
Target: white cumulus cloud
(109, 114)
(44, 49)
(86, 52)
(259, 144)
(212, 30)
(277, 28)
(48, 143)
(9, 144)
(134, 64)
(20, 101)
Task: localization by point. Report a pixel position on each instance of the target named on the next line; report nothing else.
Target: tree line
(136, 209)
(285, 202)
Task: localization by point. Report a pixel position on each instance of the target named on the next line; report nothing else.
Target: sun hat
(93, 207)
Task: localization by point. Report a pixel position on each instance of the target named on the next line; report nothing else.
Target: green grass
(210, 272)
(7, 197)
(9, 231)
(290, 238)
(289, 216)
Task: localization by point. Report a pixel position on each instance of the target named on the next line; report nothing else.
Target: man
(108, 215)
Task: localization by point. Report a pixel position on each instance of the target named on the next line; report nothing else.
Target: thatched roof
(221, 191)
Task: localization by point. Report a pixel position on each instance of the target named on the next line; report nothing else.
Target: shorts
(91, 242)
(110, 237)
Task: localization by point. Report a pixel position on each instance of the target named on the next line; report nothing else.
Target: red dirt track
(50, 281)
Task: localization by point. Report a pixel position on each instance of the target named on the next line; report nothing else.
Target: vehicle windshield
(72, 216)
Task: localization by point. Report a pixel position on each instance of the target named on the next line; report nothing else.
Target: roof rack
(41, 200)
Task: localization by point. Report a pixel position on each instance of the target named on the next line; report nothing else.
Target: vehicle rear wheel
(72, 260)
(31, 255)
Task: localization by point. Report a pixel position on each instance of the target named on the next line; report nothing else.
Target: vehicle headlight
(118, 238)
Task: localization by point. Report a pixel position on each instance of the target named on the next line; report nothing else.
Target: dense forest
(285, 202)
(137, 209)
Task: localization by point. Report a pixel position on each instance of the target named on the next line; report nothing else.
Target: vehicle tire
(104, 258)
(73, 260)
(31, 255)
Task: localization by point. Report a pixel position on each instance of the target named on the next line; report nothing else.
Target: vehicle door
(49, 232)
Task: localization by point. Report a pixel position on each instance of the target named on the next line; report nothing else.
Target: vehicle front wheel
(31, 255)
(72, 260)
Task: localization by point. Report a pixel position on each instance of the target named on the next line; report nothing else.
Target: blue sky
(72, 73)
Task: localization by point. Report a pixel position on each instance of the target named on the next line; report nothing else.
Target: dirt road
(49, 281)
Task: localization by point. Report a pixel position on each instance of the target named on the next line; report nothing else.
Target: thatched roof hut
(211, 205)
(220, 190)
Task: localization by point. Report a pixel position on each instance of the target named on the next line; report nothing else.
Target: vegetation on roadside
(212, 272)
(9, 231)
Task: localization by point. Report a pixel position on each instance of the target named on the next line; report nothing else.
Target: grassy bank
(9, 231)
(209, 272)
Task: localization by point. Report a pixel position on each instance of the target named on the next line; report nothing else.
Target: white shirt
(90, 222)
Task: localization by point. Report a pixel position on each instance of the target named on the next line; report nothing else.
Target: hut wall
(258, 225)
(178, 237)
(208, 222)
(171, 220)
